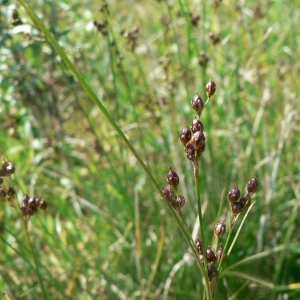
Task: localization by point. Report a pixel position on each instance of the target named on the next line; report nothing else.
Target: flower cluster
(194, 139)
(171, 194)
(29, 205)
(237, 203)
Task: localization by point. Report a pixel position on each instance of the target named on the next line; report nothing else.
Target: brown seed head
(172, 178)
(234, 195)
(210, 88)
(197, 104)
(252, 186)
(185, 135)
(220, 229)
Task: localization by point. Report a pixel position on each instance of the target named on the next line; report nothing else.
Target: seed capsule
(181, 200)
(190, 153)
(10, 168)
(197, 126)
(210, 255)
(234, 195)
(185, 135)
(220, 229)
(236, 208)
(199, 246)
(10, 191)
(1, 180)
(198, 140)
(219, 253)
(197, 104)
(252, 186)
(212, 272)
(2, 192)
(210, 88)
(43, 204)
(168, 193)
(172, 178)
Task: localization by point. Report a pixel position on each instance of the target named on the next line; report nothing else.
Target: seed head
(212, 272)
(168, 193)
(236, 208)
(210, 88)
(252, 186)
(197, 104)
(234, 195)
(220, 229)
(185, 135)
(219, 253)
(197, 126)
(198, 140)
(172, 178)
(210, 255)
(190, 153)
(199, 246)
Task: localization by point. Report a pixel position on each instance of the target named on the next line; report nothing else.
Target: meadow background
(106, 234)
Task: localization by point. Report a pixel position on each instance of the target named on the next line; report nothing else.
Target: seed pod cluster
(211, 258)
(30, 206)
(174, 198)
(193, 139)
(237, 203)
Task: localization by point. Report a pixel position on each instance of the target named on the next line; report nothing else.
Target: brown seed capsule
(185, 135)
(219, 253)
(199, 246)
(168, 193)
(32, 203)
(210, 88)
(172, 178)
(244, 200)
(10, 191)
(25, 199)
(181, 200)
(197, 104)
(210, 255)
(2, 193)
(2, 173)
(190, 153)
(236, 208)
(234, 195)
(197, 126)
(43, 204)
(198, 140)
(212, 272)
(10, 168)
(252, 186)
(220, 229)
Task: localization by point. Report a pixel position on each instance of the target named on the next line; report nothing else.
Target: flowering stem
(204, 270)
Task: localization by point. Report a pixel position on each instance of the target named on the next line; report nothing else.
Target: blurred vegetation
(106, 233)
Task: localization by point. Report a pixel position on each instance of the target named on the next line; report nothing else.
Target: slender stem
(204, 270)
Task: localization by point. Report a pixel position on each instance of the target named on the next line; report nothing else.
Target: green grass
(106, 234)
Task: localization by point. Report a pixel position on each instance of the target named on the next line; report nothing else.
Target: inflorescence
(194, 142)
(29, 206)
